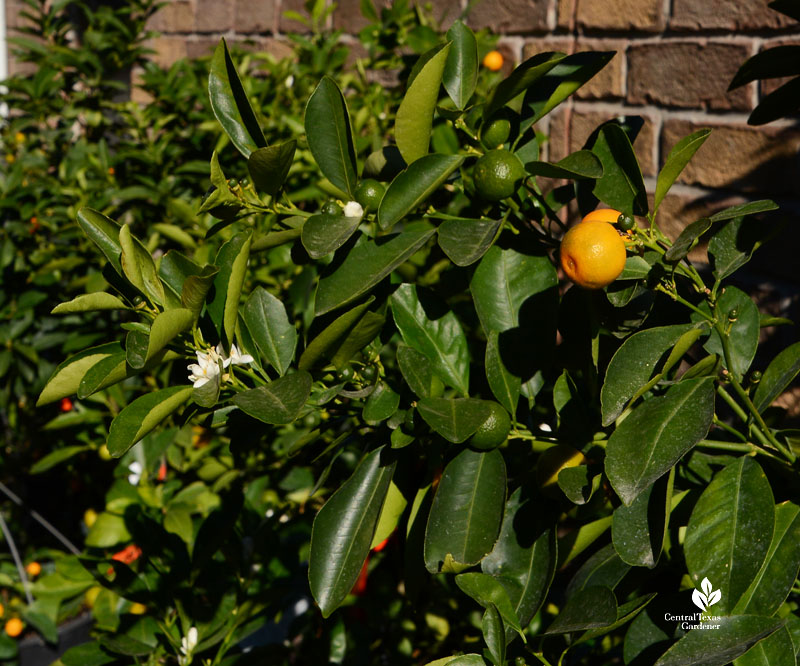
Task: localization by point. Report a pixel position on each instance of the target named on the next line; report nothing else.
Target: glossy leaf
(687, 238)
(656, 435)
(581, 164)
(230, 104)
(414, 185)
(224, 307)
(269, 166)
(393, 507)
(104, 232)
(743, 337)
(366, 265)
(638, 530)
(330, 136)
(114, 368)
(590, 608)
(633, 364)
(717, 647)
(343, 530)
(730, 530)
(364, 332)
(732, 246)
(323, 234)
(143, 415)
(461, 67)
(525, 75)
(750, 208)
(278, 402)
(505, 385)
(493, 634)
(165, 328)
(467, 510)
(678, 158)
(488, 591)
(331, 339)
(274, 335)
(625, 613)
(779, 374)
(98, 300)
(66, 378)
(381, 404)
(524, 557)
(604, 568)
(465, 241)
(417, 370)
(435, 332)
(195, 289)
(412, 129)
(454, 419)
(775, 650)
(622, 185)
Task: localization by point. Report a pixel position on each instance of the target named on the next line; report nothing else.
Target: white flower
(135, 469)
(236, 358)
(206, 368)
(188, 644)
(289, 81)
(353, 209)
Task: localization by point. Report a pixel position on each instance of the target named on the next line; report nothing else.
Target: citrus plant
(500, 467)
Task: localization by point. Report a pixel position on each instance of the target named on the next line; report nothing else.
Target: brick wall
(674, 61)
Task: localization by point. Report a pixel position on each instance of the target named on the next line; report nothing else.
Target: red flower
(129, 554)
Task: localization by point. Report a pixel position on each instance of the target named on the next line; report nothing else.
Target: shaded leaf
(278, 402)
(465, 241)
(269, 325)
(323, 234)
(269, 166)
(779, 374)
(454, 419)
(590, 608)
(581, 164)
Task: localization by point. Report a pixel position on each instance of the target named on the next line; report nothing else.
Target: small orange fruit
(493, 61)
(33, 569)
(593, 253)
(2, 610)
(14, 627)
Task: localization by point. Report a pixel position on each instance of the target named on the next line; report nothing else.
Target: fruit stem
(730, 429)
(672, 292)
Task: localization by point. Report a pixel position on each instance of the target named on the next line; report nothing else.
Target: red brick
(644, 15)
(254, 16)
(290, 25)
(584, 122)
(278, 48)
(740, 158)
(213, 15)
(725, 14)
(510, 16)
(168, 49)
(14, 17)
(174, 16)
(608, 83)
(201, 46)
(687, 75)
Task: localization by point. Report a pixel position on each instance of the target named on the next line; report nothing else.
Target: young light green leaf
(66, 378)
(143, 415)
(412, 129)
(467, 511)
(465, 241)
(427, 327)
(657, 434)
(98, 300)
(461, 68)
(779, 374)
(521, 79)
(269, 325)
(366, 265)
(343, 531)
(230, 104)
(414, 185)
(278, 402)
(139, 267)
(730, 531)
(678, 158)
(165, 328)
(330, 136)
(269, 166)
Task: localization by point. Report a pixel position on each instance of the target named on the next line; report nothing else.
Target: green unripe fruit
(497, 174)
(345, 374)
(369, 194)
(626, 222)
(369, 373)
(331, 208)
(493, 431)
(497, 129)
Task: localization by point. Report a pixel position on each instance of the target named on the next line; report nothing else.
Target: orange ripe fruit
(603, 215)
(493, 61)
(33, 569)
(14, 627)
(592, 253)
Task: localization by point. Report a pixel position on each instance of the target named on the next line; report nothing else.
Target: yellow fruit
(551, 462)
(14, 627)
(90, 596)
(592, 254)
(137, 609)
(493, 61)
(33, 569)
(89, 517)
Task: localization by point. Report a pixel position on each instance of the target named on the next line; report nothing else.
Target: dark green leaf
(125, 645)
(381, 404)
(657, 434)
(494, 635)
(465, 241)
(622, 186)
(504, 384)
(779, 374)
(417, 370)
(521, 79)
(743, 337)
(323, 234)
(366, 265)
(677, 159)
(752, 208)
(165, 328)
(278, 402)
(732, 246)
(330, 136)
(775, 650)
(578, 483)
(434, 331)
(331, 339)
(604, 568)
(590, 608)
(638, 530)
(230, 104)
(687, 239)
(87, 654)
(232, 262)
(196, 288)
(488, 591)
(412, 129)
(581, 164)
(730, 530)
(268, 167)
(467, 511)
(414, 185)
(273, 333)
(717, 647)
(364, 332)
(461, 67)
(454, 419)
(342, 531)
(787, 7)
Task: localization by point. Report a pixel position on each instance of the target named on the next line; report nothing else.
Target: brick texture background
(672, 67)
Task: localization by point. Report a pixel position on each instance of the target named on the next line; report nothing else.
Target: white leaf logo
(708, 597)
